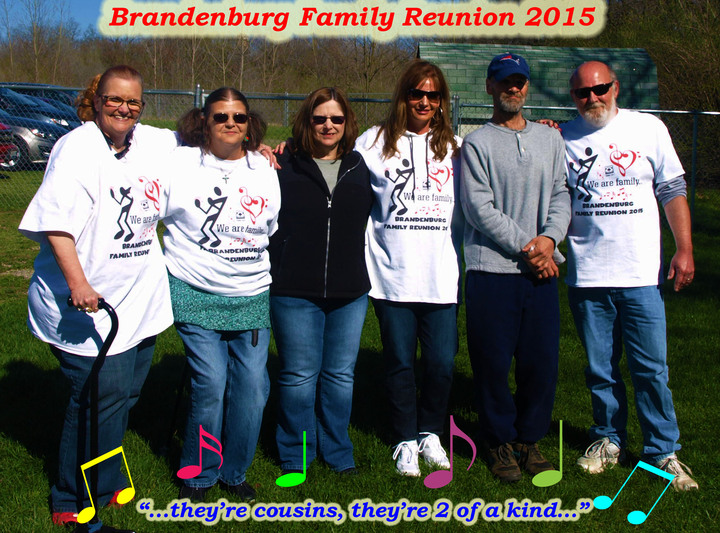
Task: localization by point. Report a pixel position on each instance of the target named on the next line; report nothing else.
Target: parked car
(34, 139)
(62, 106)
(9, 153)
(24, 106)
(43, 90)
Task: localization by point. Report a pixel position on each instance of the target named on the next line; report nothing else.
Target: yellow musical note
(125, 495)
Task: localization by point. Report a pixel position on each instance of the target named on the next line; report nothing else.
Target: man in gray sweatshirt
(517, 210)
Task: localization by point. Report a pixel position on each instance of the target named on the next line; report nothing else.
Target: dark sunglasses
(599, 90)
(319, 120)
(419, 94)
(222, 118)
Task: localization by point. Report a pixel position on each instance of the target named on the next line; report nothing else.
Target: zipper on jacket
(327, 241)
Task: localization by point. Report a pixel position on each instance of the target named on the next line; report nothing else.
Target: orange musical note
(293, 479)
(190, 471)
(125, 495)
(440, 478)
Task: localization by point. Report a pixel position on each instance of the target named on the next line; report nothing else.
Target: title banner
(381, 21)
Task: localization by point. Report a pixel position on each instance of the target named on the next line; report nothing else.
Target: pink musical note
(190, 471)
(440, 478)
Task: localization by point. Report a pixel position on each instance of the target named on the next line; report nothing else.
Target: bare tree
(9, 35)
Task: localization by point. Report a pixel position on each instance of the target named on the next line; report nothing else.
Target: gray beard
(511, 107)
(599, 120)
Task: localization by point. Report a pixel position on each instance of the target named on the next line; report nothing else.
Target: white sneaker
(432, 451)
(682, 480)
(406, 454)
(600, 455)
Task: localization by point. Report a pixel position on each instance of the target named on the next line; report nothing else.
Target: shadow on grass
(34, 403)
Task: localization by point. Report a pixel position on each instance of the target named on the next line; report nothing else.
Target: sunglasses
(598, 90)
(222, 118)
(116, 101)
(419, 94)
(320, 120)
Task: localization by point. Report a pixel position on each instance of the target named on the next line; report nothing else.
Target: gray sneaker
(682, 473)
(600, 455)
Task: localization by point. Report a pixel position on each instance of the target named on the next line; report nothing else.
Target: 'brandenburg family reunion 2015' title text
(382, 21)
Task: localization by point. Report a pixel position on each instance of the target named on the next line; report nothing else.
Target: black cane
(94, 378)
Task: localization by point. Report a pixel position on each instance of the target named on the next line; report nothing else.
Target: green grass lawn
(33, 396)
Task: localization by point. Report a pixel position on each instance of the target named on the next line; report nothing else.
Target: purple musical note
(440, 478)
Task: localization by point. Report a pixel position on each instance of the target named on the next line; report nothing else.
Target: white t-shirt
(412, 248)
(614, 234)
(111, 208)
(220, 215)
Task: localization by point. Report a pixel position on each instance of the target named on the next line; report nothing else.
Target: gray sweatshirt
(513, 189)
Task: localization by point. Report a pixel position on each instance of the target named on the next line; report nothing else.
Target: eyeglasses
(419, 94)
(320, 120)
(599, 90)
(116, 101)
(238, 118)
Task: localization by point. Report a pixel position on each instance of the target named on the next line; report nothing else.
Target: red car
(9, 152)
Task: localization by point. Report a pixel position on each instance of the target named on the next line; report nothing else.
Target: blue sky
(85, 12)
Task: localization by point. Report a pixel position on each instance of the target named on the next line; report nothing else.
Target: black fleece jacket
(318, 250)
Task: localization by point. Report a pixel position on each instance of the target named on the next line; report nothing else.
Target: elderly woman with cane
(95, 218)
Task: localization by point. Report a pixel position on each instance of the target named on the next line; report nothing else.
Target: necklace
(224, 168)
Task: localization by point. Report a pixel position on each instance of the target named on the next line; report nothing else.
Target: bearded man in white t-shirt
(620, 164)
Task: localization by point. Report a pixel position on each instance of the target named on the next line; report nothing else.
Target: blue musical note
(636, 517)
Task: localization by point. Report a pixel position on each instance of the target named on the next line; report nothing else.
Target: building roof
(465, 67)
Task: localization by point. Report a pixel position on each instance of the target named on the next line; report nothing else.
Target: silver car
(33, 138)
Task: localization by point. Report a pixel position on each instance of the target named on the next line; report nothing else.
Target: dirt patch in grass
(21, 273)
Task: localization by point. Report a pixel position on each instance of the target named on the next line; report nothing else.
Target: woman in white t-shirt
(95, 217)
(413, 240)
(222, 207)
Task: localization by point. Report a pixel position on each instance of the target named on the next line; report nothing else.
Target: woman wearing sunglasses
(222, 207)
(320, 282)
(95, 217)
(413, 241)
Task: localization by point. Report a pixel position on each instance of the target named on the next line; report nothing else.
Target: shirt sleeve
(559, 210)
(664, 160)
(669, 190)
(66, 198)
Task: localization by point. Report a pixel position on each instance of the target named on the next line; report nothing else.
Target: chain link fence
(26, 141)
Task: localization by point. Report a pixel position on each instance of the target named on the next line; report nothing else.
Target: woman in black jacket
(320, 282)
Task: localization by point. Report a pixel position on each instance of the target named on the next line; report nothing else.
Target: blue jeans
(318, 342)
(604, 317)
(229, 387)
(513, 315)
(401, 325)
(119, 383)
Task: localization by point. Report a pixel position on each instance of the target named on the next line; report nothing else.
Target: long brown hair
(194, 130)
(86, 101)
(303, 138)
(395, 125)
